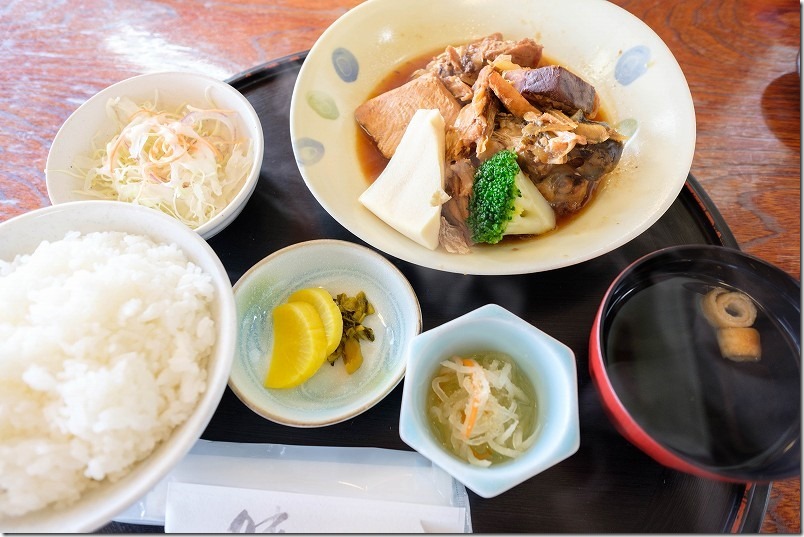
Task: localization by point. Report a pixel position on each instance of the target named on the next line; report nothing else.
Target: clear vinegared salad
(482, 408)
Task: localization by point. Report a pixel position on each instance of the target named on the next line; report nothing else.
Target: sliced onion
(481, 408)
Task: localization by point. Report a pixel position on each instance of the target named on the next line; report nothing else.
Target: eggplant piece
(568, 187)
(565, 190)
(592, 161)
(555, 87)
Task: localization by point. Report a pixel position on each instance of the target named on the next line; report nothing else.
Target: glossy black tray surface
(608, 485)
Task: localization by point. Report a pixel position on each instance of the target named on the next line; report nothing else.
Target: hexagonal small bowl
(548, 364)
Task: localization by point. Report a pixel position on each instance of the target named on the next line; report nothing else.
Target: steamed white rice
(104, 339)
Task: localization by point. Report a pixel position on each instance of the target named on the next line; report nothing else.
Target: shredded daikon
(483, 415)
(189, 163)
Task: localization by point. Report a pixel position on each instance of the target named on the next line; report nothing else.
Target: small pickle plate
(331, 395)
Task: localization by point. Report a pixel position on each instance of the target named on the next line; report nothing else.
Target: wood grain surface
(739, 58)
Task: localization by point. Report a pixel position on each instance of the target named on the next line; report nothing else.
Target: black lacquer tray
(608, 485)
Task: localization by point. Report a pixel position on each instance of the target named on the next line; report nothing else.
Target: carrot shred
(474, 404)
(481, 408)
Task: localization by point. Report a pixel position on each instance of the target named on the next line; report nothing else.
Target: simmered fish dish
(524, 143)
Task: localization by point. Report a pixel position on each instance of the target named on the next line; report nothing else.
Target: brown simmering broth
(372, 161)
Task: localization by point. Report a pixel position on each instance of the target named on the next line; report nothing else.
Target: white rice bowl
(115, 347)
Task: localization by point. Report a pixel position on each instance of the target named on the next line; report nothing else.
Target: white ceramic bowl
(22, 234)
(639, 81)
(331, 395)
(90, 123)
(548, 364)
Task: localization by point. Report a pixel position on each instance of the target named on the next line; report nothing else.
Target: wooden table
(739, 57)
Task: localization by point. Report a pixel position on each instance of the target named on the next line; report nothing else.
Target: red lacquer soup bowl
(696, 354)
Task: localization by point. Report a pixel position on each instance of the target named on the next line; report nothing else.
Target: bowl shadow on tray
(785, 127)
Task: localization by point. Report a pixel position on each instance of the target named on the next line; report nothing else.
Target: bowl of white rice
(117, 334)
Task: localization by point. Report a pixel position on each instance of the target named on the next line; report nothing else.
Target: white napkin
(210, 509)
(223, 485)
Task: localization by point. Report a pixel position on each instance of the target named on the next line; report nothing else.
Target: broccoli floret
(505, 202)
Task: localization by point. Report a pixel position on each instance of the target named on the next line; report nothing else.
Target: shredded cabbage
(189, 163)
(483, 415)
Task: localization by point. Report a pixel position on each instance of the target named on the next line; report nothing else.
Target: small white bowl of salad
(490, 399)
(183, 143)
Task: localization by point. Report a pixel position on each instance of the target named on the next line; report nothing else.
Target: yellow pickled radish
(352, 355)
(327, 310)
(300, 345)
